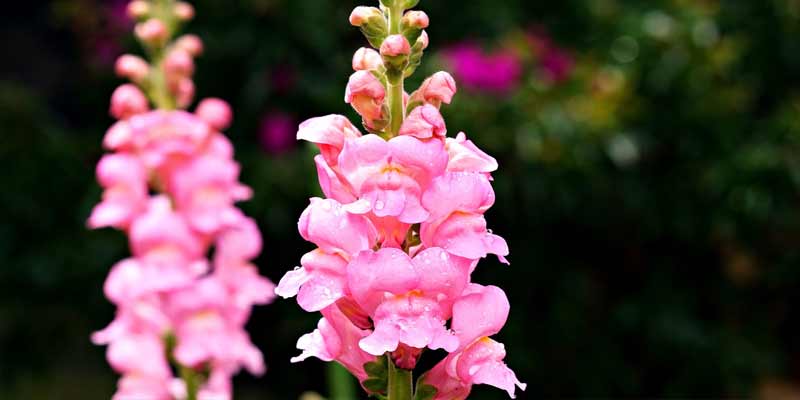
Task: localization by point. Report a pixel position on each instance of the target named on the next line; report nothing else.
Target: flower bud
(132, 67)
(424, 122)
(215, 112)
(138, 9)
(127, 101)
(366, 94)
(437, 89)
(178, 64)
(366, 60)
(184, 11)
(184, 92)
(422, 41)
(153, 31)
(415, 19)
(395, 45)
(192, 44)
(361, 15)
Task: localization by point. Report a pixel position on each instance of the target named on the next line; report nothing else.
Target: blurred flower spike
(170, 183)
(400, 230)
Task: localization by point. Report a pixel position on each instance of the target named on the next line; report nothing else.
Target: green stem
(400, 383)
(192, 380)
(340, 383)
(396, 91)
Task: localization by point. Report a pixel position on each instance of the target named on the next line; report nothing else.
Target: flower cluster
(402, 227)
(170, 183)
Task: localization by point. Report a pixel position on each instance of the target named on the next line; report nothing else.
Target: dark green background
(674, 273)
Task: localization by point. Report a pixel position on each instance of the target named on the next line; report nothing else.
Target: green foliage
(377, 376)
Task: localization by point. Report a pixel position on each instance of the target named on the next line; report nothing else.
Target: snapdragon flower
(401, 230)
(171, 184)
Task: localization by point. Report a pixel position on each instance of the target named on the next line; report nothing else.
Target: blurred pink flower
(495, 72)
(277, 132)
(555, 62)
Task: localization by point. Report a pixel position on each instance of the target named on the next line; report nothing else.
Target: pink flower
(191, 44)
(424, 122)
(209, 328)
(466, 157)
(205, 190)
(145, 371)
(556, 63)
(340, 232)
(152, 31)
(124, 179)
(457, 201)
(366, 94)
(178, 63)
(392, 175)
(408, 299)
(160, 136)
(329, 134)
(480, 313)
(437, 89)
(128, 101)
(336, 338)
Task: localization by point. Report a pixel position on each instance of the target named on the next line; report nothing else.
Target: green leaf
(377, 375)
(424, 391)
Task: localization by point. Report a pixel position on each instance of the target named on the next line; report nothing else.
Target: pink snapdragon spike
(401, 229)
(171, 184)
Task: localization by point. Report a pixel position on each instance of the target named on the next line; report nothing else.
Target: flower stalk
(400, 383)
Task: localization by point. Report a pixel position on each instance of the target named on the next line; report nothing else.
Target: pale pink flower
(205, 190)
(160, 136)
(336, 338)
(457, 201)
(361, 15)
(424, 122)
(466, 157)
(392, 175)
(340, 232)
(329, 134)
(124, 179)
(480, 313)
(408, 299)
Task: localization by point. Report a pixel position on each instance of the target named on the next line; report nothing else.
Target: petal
(483, 312)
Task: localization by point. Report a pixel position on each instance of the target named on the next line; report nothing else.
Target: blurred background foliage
(648, 186)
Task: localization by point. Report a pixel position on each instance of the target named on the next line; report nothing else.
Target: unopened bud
(366, 60)
(138, 9)
(416, 19)
(422, 41)
(127, 101)
(215, 112)
(362, 14)
(178, 64)
(132, 67)
(192, 44)
(184, 92)
(184, 11)
(153, 31)
(395, 45)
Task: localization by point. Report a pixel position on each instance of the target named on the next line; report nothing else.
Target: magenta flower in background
(555, 62)
(495, 72)
(276, 133)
